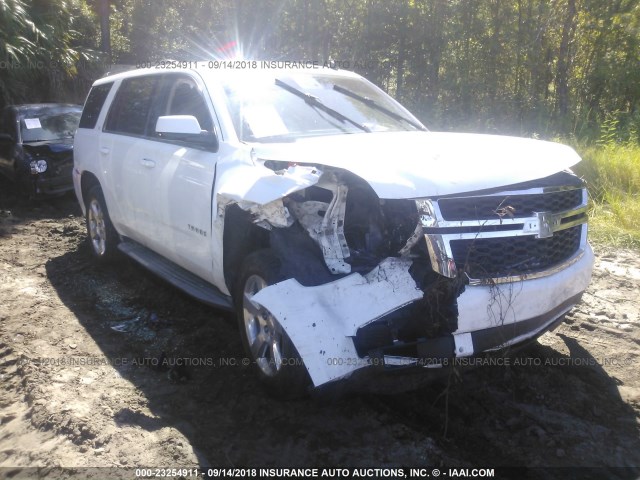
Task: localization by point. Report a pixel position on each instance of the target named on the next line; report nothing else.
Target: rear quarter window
(93, 105)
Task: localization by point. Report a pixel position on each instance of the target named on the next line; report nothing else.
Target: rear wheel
(103, 238)
(276, 360)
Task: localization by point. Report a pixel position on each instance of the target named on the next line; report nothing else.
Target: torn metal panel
(310, 214)
(322, 320)
(325, 224)
(260, 185)
(272, 214)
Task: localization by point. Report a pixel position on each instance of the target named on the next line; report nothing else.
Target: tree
(103, 9)
(38, 48)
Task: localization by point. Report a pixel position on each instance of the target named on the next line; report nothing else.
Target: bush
(612, 172)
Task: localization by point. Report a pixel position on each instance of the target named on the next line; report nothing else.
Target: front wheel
(268, 346)
(103, 238)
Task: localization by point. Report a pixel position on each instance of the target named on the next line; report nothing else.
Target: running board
(177, 276)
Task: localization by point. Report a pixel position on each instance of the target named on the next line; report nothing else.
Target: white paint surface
(423, 164)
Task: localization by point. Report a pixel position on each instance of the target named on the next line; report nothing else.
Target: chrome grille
(511, 206)
(509, 256)
(543, 230)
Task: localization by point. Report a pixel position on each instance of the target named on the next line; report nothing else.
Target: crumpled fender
(256, 184)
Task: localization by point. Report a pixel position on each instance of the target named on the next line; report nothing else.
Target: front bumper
(57, 185)
(322, 321)
(57, 180)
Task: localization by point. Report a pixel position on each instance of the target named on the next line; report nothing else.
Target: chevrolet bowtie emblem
(547, 224)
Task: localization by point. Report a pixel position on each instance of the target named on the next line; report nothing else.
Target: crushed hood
(425, 164)
(56, 149)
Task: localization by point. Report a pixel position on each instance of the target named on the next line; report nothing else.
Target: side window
(93, 105)
(184, 98)
(129, 111)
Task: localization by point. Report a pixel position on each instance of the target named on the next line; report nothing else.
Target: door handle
(104, 150)
(148, 162)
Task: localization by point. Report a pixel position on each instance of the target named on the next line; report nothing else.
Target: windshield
(48, 123)
(284, 107)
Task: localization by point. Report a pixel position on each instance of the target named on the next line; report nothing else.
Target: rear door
(129, 173)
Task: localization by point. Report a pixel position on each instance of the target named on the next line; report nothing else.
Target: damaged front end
(396, 283)
(46, 167)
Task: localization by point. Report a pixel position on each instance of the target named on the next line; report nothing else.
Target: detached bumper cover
(432, 352)
(322, 321)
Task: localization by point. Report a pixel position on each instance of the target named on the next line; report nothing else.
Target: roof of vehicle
(210, 69)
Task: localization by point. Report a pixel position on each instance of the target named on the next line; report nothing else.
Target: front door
(181, 175)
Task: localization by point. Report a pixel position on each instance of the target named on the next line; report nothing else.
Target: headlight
(38, 166)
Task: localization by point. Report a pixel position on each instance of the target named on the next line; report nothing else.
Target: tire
(103, 238)
(265, 341)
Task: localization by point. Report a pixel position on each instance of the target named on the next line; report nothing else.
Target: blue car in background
(36, 147)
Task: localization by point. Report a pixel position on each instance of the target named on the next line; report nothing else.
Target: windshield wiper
(315, 102)
(376, 106)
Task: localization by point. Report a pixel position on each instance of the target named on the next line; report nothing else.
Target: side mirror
(186, 128)
(178, 124)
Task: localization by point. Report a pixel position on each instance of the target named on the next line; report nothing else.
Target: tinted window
(130, 109)
(93, 105)
(184, 98)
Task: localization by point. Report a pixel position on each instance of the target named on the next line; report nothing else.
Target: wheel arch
(241, 237)
(87, 181)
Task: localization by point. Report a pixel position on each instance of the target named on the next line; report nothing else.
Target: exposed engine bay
(381, 274)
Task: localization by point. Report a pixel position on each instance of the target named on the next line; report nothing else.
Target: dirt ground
(83, 384)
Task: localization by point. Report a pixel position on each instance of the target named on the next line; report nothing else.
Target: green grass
(612, 172)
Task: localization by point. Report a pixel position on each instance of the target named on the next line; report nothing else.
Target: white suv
(348, 238)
